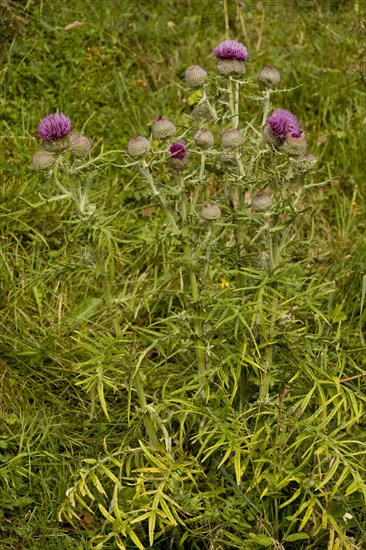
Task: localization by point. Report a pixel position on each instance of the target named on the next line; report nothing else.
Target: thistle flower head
(178, 150)
(231, 49)
(54, 126)
(211, 211)
(261, 202)
(138, 146)
(281, 123)
(295, 144)
(270, 76)
(204, 138)
(43, 160)
(79, 145)
(228, 67)
(307, 161)
(195, 76)
(163, 128)
(201, 111)
(178, 155)
(231, 138)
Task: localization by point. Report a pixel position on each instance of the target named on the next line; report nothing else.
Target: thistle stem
(230, 93)
(206, 101)
(147, 174)
(201, 180)
(226, 19)
(58, 183)
(199, 346)
(268, 352)
(109, 301)
(267, 105)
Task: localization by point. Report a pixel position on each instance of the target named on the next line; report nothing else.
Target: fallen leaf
(322, 139)
(73, 25)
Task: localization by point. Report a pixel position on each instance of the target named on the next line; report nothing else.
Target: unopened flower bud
(43, 160)
(211, 211)
(179, 164)
(195, 76)
(79, 145)
(228, 67)
(261, 202)
(201, 111)
(163, 128)
(231, 138)
(295, 144)
(138, 146)
(204, 138)
(270, 76)
(307, 160)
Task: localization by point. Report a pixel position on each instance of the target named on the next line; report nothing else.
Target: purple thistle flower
(281, 123)
(231, 49)
(54, 126)
(178, 150)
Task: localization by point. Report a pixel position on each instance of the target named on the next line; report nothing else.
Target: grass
(70, 389)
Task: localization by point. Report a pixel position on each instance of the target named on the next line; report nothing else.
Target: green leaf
(152, 521)
(83, 311)
(337, 315)
(135, 538)
(102, 398)
(296, 536)
(194, 97)
(262, 540)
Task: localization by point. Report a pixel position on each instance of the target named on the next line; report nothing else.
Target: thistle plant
(63, 150)
(225, 301)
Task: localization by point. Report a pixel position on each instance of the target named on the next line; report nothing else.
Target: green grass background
(115, 72)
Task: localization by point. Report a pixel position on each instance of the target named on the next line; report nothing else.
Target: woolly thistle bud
(270, 76)
(231, 138)
(79, 145)
(228, 67)
(179, 164)
(307, 160)
(138, 146)
(195, 76)
(201, 111)
(295, 144)
(261, 201)
(163, 128)
(211, 211)
(204, 138)
(43, 160)
(57, 145)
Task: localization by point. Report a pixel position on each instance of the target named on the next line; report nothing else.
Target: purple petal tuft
(281, 123)
(54, 126)
(178, 150)
(231, 49)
